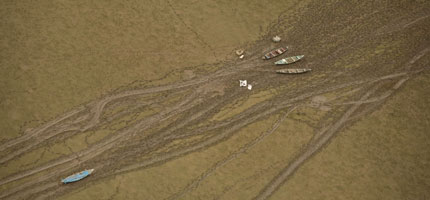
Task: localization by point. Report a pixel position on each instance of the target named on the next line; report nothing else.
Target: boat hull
(78, 176)
(274, 53)
(289, 60)
(292, 71)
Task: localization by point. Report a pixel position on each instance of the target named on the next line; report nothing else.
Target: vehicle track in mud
(234, 128)
(291, 100)
(323, 137)
(96, 110)
(232, 156)
(198, 104)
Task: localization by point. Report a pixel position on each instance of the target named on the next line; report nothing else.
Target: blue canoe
(77, 176)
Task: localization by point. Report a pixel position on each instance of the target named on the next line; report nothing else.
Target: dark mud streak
(231, 157)
(308, 152)
(217, 138)
(47, 187)
(35, 132)
(156, 160)
(74, 126)
(325, 135)
(101, 146)
(278, 106)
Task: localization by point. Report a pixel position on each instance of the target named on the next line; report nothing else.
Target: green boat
(292, 71)
(289, 60)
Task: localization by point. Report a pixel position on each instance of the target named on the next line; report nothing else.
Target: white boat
(289, 60)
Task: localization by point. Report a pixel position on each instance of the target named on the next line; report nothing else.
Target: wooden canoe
(292, 71)
(289, 60)
(274, 53)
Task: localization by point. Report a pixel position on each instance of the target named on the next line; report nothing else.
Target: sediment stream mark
(231, 157)
(325, 136)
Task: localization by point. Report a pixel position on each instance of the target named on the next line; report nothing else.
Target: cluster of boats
(285, 61)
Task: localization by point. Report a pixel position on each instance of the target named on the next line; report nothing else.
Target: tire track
(102, 148)
(96, 110)
(106, 144)
(323, 138)
(171, 132)
(72, 127)
(231, 157)
(97, 107)
(213, 140)
(35, 132)
(309, 151)
(242, 66)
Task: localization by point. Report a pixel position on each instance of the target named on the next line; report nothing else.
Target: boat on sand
(289, 60)
(274, 53)
(77, 176)
(292, 71)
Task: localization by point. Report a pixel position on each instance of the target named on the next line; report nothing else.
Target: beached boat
(292, 71)
(77, 176)
(289, 60)
(274, 53)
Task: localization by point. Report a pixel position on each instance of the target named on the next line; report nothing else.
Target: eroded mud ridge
(143, 127)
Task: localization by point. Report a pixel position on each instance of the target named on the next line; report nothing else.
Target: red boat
(274, 53)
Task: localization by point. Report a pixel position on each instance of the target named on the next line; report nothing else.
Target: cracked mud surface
(193, 133)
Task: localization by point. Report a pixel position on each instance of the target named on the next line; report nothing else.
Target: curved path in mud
(196, 103)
